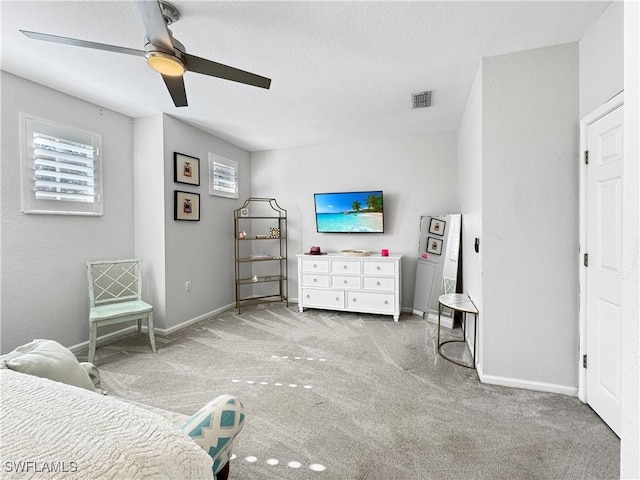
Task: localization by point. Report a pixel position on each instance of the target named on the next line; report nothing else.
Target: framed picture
(434, 245)
(186, 206)
(437, 226)
(186, 169)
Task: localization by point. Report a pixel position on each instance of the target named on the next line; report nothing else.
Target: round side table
(459, 302)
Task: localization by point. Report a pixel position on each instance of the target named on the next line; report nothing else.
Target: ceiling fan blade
(175, 85)
(214, 69)
(155, 25)
(82, 43)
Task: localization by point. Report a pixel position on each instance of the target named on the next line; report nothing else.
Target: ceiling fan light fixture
(165, 63)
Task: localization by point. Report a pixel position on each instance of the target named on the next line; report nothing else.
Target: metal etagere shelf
(260, 226)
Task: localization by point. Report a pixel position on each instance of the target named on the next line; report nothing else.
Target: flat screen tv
(349, 212)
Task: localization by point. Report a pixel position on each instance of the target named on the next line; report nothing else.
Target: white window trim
(43, 202)
(223, 176)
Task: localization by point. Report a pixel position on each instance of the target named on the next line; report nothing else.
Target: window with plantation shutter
(60, 169)
(223, 176)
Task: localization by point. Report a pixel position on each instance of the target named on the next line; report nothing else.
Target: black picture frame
(186, 206)
(434, 245)
(186, 169)
(437, 226)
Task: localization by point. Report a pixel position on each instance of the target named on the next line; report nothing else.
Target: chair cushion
(119, 309)
(47, 359)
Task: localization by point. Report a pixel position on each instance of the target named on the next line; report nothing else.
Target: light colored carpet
(350, 396)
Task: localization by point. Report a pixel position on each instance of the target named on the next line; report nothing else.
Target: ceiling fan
(165, 54)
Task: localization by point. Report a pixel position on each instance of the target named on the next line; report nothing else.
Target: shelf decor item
(356, 253)
(186, 206)
(186, 169)
(261, 276)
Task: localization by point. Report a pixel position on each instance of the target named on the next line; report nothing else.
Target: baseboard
(527, 384)
(161, 332)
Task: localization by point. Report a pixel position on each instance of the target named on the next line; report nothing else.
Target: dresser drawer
(333, 299)
(379, 268)
(345, 281)
(371, 302)
(382, 284)
(345, 266)
(311, 280)
(315, 265)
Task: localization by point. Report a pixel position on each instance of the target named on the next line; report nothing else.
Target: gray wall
(43, 274)
(470, 198)
(418, 174)
(530, 218)
(175, 252)
(203, 251)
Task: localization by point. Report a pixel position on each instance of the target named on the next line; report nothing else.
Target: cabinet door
(382, 284)
(345, 281)
(333, 299)
(313, 280)
(371, 302)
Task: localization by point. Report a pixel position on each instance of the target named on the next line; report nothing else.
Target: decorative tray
(356, 253)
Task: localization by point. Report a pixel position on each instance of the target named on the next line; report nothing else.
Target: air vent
(421, 100)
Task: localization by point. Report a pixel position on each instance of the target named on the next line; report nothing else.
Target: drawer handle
(308, 296)
(337, 299)
(378, 283)
(345, 282)
(378, 267)
(315, 265)
(355, 300)
(345, 267)
(315, 280)
(386, 302)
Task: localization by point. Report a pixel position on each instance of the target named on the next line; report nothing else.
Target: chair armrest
(93, 372)
(215, 426)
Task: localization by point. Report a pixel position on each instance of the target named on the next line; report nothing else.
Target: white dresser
(356, 284)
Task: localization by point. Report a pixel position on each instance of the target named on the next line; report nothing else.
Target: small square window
(223, 176)
(60, 169)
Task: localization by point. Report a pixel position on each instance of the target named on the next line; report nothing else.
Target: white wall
(417, 173)
(43, 275)
(530, 219)
(470, 200)
(602, 59)
(630, 444)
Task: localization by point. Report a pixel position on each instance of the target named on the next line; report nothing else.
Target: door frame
(604, 109)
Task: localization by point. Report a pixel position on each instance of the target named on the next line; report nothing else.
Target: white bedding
(52, 430)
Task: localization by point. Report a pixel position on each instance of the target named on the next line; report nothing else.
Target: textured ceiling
(340, 70)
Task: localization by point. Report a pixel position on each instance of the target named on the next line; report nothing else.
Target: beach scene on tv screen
(353, 212)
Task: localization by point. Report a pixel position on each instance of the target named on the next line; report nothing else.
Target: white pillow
(48, 359)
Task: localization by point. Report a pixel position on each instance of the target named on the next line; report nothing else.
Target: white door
(604, 270)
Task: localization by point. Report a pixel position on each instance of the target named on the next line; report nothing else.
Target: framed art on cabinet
(186, 206)
(434, 245)
(437, 226)
(186, 169)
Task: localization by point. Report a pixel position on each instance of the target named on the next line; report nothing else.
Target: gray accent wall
(43, 257)
(530, 130)
(173, 251)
